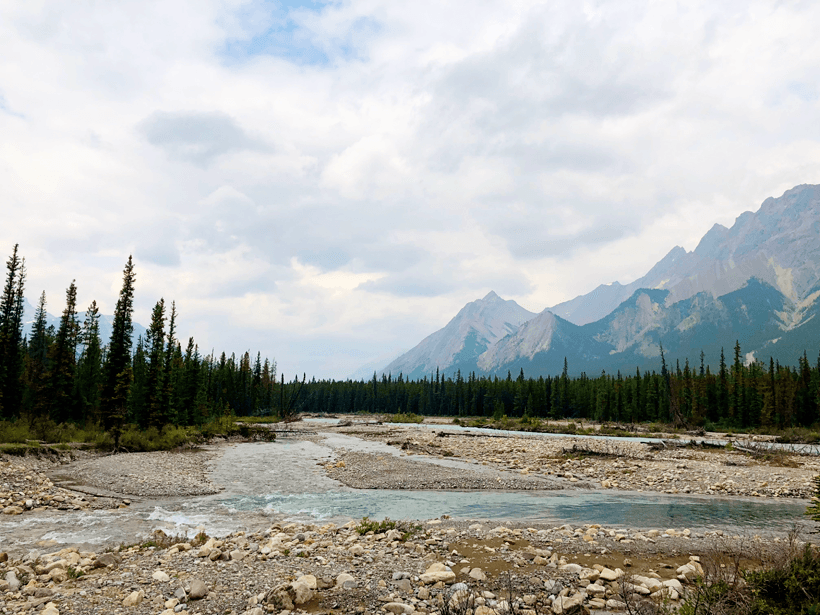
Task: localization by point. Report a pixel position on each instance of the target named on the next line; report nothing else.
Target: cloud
(196, 137)
(322, 180)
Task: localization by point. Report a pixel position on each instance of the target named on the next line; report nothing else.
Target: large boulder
(134, 598)
(301, 591)
(438, 572)
(106, 560)
(570, 605)
(198, 590)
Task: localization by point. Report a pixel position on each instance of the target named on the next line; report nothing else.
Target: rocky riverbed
(613, 464)
(330, 569)
(371, 471)
(294, 568)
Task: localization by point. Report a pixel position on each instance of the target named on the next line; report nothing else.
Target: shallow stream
(284, 479)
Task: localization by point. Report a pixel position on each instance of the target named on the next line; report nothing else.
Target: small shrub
(73, 573)
(377, 527)
(404, 418)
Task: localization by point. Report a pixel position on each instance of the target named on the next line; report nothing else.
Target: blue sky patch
(273, 31)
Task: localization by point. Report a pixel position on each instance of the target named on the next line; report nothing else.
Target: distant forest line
(737, 395)
(66, 374)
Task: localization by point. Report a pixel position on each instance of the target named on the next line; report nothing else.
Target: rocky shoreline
(295, 568)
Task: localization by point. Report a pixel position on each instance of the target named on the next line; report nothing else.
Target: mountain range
(756, 283)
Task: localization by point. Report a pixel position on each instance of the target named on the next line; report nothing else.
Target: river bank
(616, 464)
(258, 560)
(333, 569)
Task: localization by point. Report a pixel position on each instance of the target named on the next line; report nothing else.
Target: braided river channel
(266, 482)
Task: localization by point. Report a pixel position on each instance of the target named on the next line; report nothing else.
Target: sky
(329, 182)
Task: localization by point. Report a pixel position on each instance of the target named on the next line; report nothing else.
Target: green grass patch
(404, 418)
(22, 436)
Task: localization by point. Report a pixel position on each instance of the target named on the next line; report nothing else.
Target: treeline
(738, 395)
(68, 374)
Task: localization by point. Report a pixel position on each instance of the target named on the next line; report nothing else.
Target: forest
(738, 395)
(68, 374)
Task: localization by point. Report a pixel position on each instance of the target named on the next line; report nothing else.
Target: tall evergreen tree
(62, 362)
(11, 336)
(89, 365)
(155, 378)
(117, 374)
(36, 368)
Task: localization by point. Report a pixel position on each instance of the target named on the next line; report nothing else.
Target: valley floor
(293, 567)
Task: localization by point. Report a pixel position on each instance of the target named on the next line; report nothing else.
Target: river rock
(404, 585)
(13, 581)
(198, 590)
(345, 581)
(611, 575)
(570, 604)
(478, 574)
(302, 593)
(106, 560)
(398, 608)
(160, 576)
(674, 584)
(12, 510)
(438, 572)
(134, 598)
(688, 572)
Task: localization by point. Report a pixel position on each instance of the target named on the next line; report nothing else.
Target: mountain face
(779, 244)
(757, 282)
(477, 327)
(106, 324)
(764, 320)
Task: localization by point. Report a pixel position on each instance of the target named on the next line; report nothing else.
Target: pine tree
(89, 366)
(11, 336)
(155, 377)
(63, 363)
(117, 374)
(35, 398)
(170, 375)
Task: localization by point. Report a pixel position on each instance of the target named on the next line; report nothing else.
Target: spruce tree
(62, 362)
(36, 369)
(89, 366)
(117, 375)
(155, 378)
(11, 336)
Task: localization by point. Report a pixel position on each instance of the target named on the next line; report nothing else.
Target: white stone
(438, 572)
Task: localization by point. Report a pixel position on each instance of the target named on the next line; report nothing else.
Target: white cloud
(329, 181)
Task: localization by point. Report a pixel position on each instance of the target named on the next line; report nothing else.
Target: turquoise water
(635, 510)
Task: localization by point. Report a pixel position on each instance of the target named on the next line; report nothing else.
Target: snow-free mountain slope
(477, 327)
(779, 244)
(757, 282)
(759, 316)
